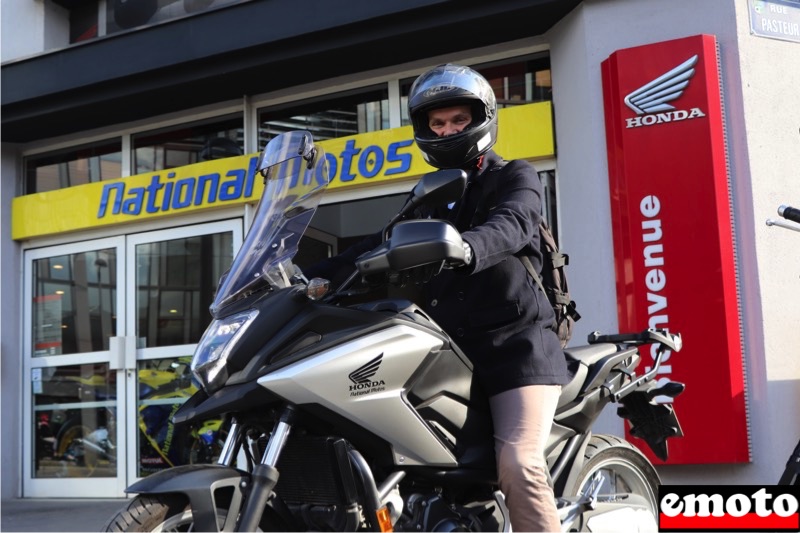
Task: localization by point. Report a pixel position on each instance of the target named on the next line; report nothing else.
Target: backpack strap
(557, 260)
(558, 296)
(532, 271)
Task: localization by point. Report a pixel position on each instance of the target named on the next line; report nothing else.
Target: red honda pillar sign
(673, 234)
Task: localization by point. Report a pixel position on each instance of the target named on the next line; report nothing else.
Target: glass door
(74, 394)
(174, 274)
(110, 328)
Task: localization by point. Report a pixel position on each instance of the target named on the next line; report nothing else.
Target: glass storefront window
(76, 166)
(361, 110)
(75, 413)
(336, 115)
(90, 19)
(83, 22)
(74, 302)
(187, 144)
(164, 385)
(515, 82)
(126, 14)
(175, 283)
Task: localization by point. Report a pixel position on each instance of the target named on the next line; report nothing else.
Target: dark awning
(248, 48)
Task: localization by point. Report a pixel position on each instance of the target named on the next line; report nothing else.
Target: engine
(430, 512)
(320, 489)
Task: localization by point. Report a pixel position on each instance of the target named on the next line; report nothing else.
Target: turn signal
(384, 519)
(317, 288)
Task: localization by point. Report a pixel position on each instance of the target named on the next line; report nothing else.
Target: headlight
(210, 357)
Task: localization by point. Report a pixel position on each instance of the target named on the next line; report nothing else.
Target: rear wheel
(621, 468)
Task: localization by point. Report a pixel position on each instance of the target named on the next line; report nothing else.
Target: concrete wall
(767, 174)
(46, 28)
(758, 78)
(10, 328)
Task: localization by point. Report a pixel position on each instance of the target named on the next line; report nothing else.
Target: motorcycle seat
(579, 359)
(590, 354)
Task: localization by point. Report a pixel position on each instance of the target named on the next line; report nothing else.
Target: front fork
(265, 475)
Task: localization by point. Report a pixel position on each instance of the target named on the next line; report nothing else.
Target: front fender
(199, 483)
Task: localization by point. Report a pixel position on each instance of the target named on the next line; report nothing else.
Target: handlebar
(791, 216)
(789, 213)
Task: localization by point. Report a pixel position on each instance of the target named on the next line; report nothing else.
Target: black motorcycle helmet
(451, 85)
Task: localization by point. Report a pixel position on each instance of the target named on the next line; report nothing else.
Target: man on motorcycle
(490, 305)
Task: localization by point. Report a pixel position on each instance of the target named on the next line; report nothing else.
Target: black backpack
(553, 281)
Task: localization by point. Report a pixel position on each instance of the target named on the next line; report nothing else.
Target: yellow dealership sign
(526, 132)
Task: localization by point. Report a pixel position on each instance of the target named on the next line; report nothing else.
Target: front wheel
(157, 513)
(621, 467)
(171, 512)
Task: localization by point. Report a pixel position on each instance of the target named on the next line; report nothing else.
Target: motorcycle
(365, 416)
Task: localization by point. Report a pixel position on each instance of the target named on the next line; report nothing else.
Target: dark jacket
(492, 308)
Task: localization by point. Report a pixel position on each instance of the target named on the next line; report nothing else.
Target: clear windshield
(296, 175)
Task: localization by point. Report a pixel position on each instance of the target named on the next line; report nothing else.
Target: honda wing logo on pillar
(649, 101)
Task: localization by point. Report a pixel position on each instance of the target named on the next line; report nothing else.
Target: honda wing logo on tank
(363, 378)
(649, 101)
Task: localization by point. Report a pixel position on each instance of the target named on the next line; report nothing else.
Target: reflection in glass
(514, 81)
(75, 413)
(175, 284)
(74, 166)
(164, 385)
(328, 117)
(74, 302)
(173, 147)
(128, 14)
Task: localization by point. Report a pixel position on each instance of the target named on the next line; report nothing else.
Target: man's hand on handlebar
(467, 258)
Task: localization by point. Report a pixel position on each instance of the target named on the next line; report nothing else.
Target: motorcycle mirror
(438, 187)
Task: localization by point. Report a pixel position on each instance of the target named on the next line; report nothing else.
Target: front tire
(152, 513)
(622, 467)
(171, 512)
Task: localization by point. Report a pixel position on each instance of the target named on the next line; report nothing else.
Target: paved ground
(57, 514)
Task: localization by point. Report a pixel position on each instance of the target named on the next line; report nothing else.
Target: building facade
(665, 134)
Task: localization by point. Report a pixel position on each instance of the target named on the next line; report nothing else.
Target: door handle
(123, 352)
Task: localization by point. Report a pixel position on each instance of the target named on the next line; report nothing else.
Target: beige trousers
(522, 419)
